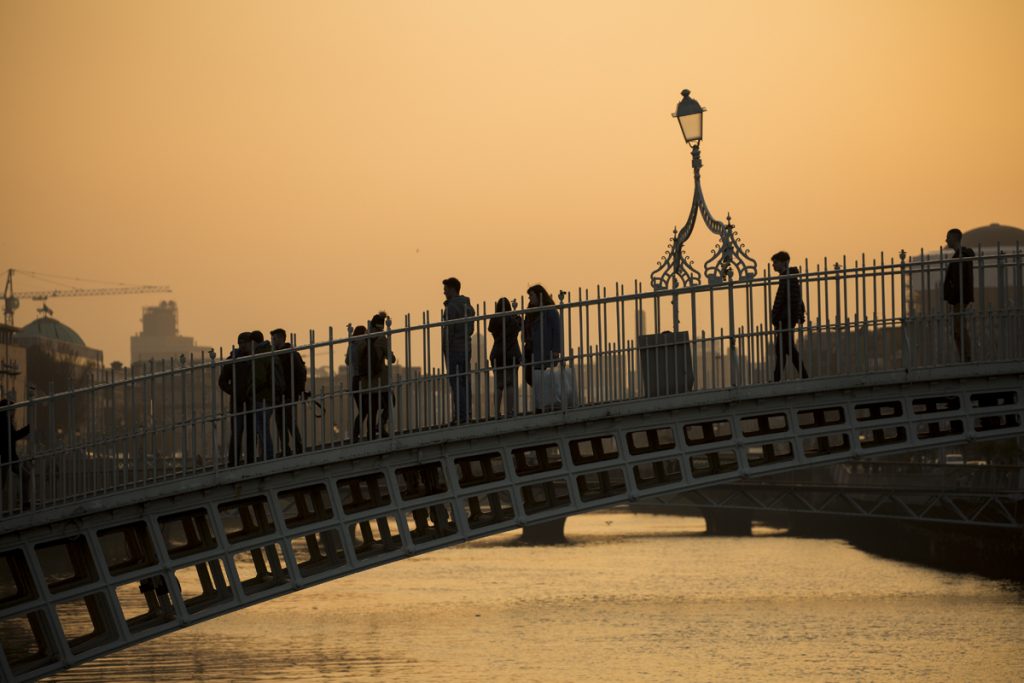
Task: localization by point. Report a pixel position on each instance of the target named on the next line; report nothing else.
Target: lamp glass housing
(690, 116)
(692, 126)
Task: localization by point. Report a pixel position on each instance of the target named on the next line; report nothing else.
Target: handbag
(547, 389)
(554, 388)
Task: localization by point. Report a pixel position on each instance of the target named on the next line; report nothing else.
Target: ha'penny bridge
(128, 519)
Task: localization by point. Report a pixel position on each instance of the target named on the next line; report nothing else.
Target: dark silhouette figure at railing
(380, 356)
(235, 380)
(293, 369)
(505, 356)
(787, 313)
(542, 344)
(456, 350)
(358, 362)
(958, 290)
(266, 377)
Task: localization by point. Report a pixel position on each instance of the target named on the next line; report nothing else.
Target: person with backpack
(787, 312)
(456, 350)
(293, 371)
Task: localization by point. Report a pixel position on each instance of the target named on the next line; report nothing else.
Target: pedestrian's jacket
(357, 360)
(455, 336)
(267, 376)
(543, 337)
(959, 285)
(505, 330)
(293, 371)
(379, 356)
(367, 358)
(235, 379)
(788, 308)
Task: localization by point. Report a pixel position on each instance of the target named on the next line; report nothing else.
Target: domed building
(55, 353)
(993, 236)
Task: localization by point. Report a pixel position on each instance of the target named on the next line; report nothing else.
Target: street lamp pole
(730, 261)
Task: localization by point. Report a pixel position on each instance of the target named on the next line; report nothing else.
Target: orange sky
(305, 164)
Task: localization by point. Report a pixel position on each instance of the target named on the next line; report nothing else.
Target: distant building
(12, 364)
(159, 339)
(55, 355)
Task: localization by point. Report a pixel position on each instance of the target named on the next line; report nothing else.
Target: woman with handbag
(543, 348)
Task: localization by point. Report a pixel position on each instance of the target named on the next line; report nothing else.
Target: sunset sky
(307, 164)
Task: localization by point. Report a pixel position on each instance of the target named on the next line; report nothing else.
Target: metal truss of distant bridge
(134, 524)
(970, 495)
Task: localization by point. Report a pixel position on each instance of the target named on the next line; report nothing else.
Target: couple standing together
(542, 346)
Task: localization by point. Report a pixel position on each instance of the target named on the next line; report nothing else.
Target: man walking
(293, 371)
(958, 290)
(787, 313)
(455, 347)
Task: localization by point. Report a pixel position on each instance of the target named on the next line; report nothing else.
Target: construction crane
(11, 302)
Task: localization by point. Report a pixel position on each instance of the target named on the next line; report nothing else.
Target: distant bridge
(126, 520)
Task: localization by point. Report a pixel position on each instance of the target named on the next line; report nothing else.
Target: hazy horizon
(306, 166)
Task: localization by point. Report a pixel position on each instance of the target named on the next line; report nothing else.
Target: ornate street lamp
(730, 260)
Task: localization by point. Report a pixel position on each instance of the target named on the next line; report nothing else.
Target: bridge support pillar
(545, 533)
(727, 522)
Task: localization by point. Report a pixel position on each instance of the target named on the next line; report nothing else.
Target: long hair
(542, 294)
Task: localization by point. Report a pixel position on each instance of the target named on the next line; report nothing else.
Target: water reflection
(633, 597)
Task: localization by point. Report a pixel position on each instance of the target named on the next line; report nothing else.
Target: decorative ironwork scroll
(730, 260)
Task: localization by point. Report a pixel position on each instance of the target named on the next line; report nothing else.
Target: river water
(632, 598)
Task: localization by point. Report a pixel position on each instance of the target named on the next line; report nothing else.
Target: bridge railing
(173, 419)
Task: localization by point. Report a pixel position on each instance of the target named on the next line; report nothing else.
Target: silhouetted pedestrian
(358, 362)
(235, 380)
(266, 378)
(380, 356)
(787, 312)
(10, 466)
(456, 350)
(542, 346)
(505, 355)
(958, 290)
(293, 371)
